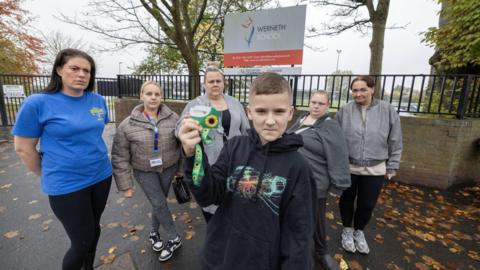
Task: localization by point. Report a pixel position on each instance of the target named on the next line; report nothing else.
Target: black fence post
(463, 100)
(295, 90)
(119, 86)
(3, 108)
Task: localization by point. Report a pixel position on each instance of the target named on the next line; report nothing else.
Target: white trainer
(360, 242)
(348, 243)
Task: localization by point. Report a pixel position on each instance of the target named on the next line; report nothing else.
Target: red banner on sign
(289, 57)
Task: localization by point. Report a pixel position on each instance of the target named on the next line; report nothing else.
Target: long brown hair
(62, 58)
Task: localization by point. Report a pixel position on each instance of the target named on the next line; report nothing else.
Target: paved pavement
(413, 228)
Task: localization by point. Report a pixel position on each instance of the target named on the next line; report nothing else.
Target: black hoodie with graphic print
(257, 228)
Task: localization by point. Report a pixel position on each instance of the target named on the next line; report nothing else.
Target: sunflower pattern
(211, 121)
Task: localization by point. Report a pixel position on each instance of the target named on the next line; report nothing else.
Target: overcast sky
(403, 51)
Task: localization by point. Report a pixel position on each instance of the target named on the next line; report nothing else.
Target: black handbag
(180, 188)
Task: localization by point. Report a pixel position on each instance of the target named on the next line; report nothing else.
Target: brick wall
(437, 152)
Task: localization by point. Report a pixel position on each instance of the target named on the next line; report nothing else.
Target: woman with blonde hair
(145, 148)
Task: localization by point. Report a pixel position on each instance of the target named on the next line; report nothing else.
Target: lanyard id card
(156, 160)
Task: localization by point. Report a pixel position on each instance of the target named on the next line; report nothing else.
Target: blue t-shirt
(73, 153)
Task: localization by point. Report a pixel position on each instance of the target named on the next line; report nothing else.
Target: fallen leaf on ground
(329, 215)
(134, 238)
(112, 249)
(11, 234)
(107, 259)
(421, 266)
(35, 216)
(410, 251)
(5, 186)
(112, 225)
(354, 265)
(46, 222)
(393, 266)
(474, 255)
(45, 228)
(453, 250)
(189, 234)
(143, 251)
(33, 202)
(193, 205)
(124, 224)
(378, 238)
(120, 200)
(139, 227)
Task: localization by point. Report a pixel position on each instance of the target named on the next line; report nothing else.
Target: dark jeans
(365, 189)
(80, 212)
(320, 235)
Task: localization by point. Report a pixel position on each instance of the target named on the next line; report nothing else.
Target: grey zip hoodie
(377, 139)
(325, 148)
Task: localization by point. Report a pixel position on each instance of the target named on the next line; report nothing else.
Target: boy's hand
(189, 136)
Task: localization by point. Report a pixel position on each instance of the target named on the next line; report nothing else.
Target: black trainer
(156, 241)
(170, 247)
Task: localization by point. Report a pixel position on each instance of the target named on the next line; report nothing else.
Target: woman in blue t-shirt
(72, 161)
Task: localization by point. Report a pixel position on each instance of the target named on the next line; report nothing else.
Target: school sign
(266, 37)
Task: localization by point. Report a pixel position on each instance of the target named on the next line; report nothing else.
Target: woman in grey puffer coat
(145, 148)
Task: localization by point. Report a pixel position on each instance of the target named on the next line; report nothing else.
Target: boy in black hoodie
(262, 185)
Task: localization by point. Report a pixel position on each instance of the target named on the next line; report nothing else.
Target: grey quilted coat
(133, 145)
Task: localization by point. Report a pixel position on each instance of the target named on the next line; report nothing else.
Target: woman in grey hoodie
(374, 141)
(325, 148)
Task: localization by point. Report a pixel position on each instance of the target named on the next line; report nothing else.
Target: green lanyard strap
(198, 171)
(208, 121)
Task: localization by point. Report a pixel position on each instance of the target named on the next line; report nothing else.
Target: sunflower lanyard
(208, 118)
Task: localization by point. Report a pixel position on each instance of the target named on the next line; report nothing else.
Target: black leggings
(366, 189)
(80, 213)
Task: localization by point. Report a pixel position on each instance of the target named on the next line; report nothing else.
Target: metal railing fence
(446, 95)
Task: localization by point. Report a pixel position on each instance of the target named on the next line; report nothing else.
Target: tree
(160, 59)
(457, 38)
(181, 25)
(19, 50)
(339, 84)
(55, 41)
(349, 14)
